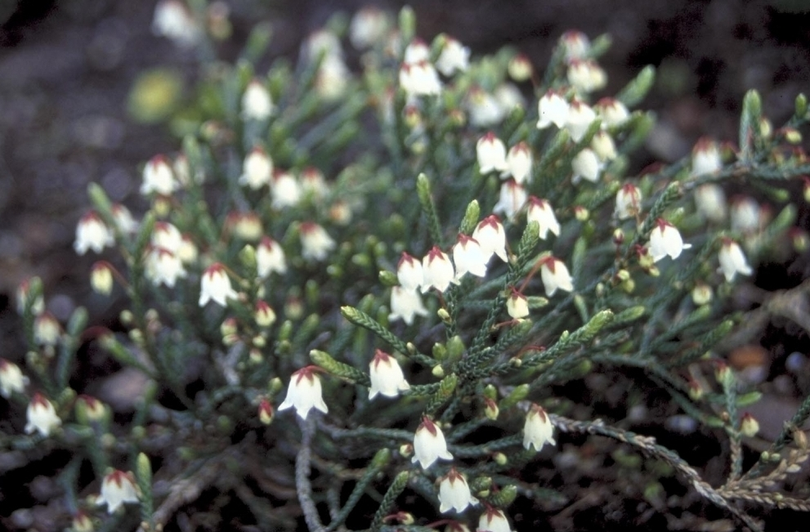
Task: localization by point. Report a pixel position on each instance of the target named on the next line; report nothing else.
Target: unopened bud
(581, 213)
(749, 426)
(721, 371)
(618, 237)
(101, 278)
(695, 390)
(702, 294)
(491, 409)
(406, 450)
(520, 68)
(438, 371)
(264, 315)
(266, 412)
(500, 459)
(793, 136)
(229, 327)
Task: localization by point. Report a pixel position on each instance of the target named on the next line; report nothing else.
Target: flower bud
(264, 314)
(266, 413)
(520, 68)
(101, 278)
(749, 426)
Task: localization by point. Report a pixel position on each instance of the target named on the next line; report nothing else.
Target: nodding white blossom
(745, 214)
(187, 252)
(158, 177)
(491, 154)
(540, 211)
(166, 235)
(612, 112)
(484, 108)
(509, 97)
(491, 237)
(710, 201)
(47, 330)
(469, 257)
(419, 79)
(454, 57)
(101, 277)
(117, 488)
(332, 78)
(386, 376)
(437, 270)
(270, 258)
(41, 416)
(92, 233)
(409, 272)
(416, 51)
(315, 241)
(628, 202)
(575, 44)
(174, 20)
(555, 276)
(511, 199)
(164, 267)
(493, 520)
(257, 104)
(666, 240)
(586, 75)
(732, 260)
(11, 378)
(304, 393)
(517, 306)
(429, 444)
(538, 430)
(405, 304)
(286, 190)
(123, 219)
(368, 27)
(321, 42)
(244, 225)
(586, 165)
(603, 146)
(257, 169)
(518, 162)
(706, 157)
(580, 117)
(215, 285)
(454, 492)
(313, 183)
(552, 109)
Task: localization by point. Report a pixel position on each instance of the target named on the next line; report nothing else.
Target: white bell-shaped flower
(386, 376)
(368, 27)
(540, 211)
(580, 117)
(437, 270)
(167, 236)
(41, 416)
(117, 488)
(286, 189)
(491, 237)
(417, 50)
(575, 45)
(706, 157)
(315, 241)
(484, 108)
(304, 392)
(603, 146)
(454, 57)
(628, 202)
(123, 219)
(746, 214)
(164, 267)
(511, 199)
(257, 103)
(257, 169)
(552, 109)
(419, 79)
(710, 200)
(555, 276)
(493, 520)
(174, 20)
(491, 154)
(158, 177)
(405, 304)
(215, 285)
(612, 112)
(586, 75)
(11, 378)
(538, 430)
(270, 258)
(409, 272)
(732, 260)
(92, 233)
(666, 240)
(586, 165)
(469, 257)
(517, 305)
(429, 444)
(454, 492)
(518, 162)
